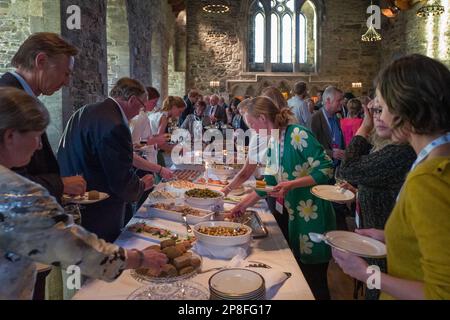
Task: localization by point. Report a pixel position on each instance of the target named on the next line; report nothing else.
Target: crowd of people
(391, 149)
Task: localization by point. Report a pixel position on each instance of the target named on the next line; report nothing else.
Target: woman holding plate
(415, 101)
(295, 162)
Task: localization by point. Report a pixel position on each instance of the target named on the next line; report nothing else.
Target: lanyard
(430, 147)
(329, 125)
(425, 152)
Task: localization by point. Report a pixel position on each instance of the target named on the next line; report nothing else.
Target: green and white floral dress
(299, 154)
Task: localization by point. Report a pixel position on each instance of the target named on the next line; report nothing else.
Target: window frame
(296, 66)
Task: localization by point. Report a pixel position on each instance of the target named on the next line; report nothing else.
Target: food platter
(188, 175)
(174, 212)
(252, 219)
(147, 230)
(182, 264)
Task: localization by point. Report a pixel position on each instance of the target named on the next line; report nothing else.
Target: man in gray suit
(326, 126)
(216, 112)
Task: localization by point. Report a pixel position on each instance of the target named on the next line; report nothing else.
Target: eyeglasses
(376, 112)
(140, 101)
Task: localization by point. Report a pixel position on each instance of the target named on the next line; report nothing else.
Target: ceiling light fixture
(433, 9)
(216, 8)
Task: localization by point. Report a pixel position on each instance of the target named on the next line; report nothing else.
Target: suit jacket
(43, 167)
(189, 110)
(321, 130)
(220, 113)
(97, 144)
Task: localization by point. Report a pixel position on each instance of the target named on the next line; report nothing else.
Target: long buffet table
(272, 250)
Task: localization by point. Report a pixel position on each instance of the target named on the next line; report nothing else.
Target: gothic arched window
(291, 34)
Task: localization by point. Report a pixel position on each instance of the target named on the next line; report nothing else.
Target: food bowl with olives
(222, 233)
(203, 197)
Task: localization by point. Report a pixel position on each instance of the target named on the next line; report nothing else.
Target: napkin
(221, 252)
(272, 277)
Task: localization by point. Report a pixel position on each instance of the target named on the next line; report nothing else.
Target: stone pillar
(117, 37)
(140, 38)
(90, 81)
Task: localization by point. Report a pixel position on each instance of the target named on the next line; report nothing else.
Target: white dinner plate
(357, 244)
(333, 193)
(85, 198)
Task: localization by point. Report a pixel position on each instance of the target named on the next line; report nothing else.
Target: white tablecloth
(272, 250)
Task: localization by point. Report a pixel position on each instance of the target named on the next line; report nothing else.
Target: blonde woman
(172, 108)
(295, 163)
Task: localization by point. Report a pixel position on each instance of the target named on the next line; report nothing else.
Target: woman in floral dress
(295, 162)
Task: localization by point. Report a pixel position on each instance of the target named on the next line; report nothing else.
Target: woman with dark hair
(33, 227)
(415, 99)
(377, 167)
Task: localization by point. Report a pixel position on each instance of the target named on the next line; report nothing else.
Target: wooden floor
(341, 286)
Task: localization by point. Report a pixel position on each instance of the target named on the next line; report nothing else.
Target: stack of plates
(237, 284)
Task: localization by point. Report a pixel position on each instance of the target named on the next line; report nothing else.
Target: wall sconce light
(214, 84)
(356, 85)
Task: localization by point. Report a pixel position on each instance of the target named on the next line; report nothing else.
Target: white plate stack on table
(237, 284)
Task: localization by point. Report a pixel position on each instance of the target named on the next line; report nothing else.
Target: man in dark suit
(191, 100)
(44, 63)
(326, 125)
(216, 112)
(97, 143)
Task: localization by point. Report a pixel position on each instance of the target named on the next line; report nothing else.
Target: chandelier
(371, 35)
(216, 8)
(433, 9)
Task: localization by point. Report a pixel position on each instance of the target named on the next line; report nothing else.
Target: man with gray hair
(325, 124)
(97, 144)
(299, 106)
(215, 111)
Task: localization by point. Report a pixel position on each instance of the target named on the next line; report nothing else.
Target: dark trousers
(282, 219)
(104, 218)
(316, 276)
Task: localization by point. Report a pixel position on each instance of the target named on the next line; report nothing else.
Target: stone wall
(19, 19)
(90, 80)
(176, 79)
(408, 34)
(140, 20)
(216, 43)
(117, 41)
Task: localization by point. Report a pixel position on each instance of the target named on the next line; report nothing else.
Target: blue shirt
(24, 84)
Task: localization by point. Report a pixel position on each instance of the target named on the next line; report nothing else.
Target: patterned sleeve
(377, 168)
(33, 225)
(317, 163)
